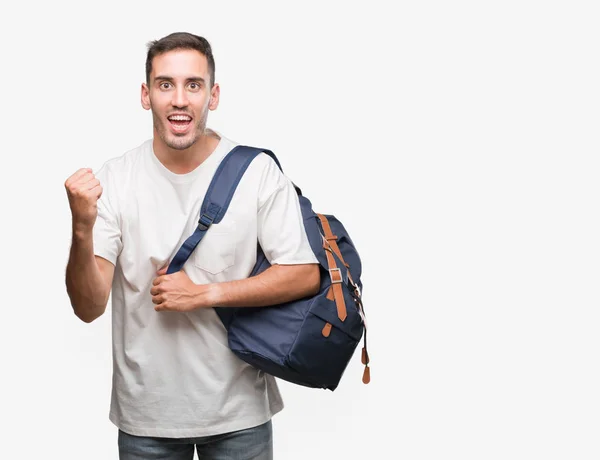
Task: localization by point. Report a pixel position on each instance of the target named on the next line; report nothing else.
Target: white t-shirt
(173, 373)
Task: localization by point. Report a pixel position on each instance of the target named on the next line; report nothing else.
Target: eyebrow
(167, 78)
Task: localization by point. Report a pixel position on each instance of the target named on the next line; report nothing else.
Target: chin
(180, 143)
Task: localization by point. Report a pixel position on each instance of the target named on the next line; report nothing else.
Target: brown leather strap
(326, 330)
(336, 283)
(331, 238)
(330, 295)
(335, 291)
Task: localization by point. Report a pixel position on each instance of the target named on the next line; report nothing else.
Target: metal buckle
(354, 286)
(339, 272)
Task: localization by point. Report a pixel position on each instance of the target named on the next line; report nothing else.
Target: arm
(88, 277)
(277, 284)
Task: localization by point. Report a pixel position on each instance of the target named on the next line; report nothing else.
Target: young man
(176, 384)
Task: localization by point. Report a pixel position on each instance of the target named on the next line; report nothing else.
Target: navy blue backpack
(309, 341)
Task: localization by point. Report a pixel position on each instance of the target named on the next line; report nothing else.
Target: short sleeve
(107, 230)
(281, 232)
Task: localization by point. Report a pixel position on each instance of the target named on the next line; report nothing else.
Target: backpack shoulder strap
(218, 196)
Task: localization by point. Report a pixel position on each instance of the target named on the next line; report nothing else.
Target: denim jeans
(251, 444)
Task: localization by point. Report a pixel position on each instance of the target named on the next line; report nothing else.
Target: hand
(83, 190)
(174, 292)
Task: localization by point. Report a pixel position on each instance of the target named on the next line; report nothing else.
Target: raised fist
(83, 190)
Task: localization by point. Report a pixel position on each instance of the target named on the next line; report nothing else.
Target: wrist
(215, 294)
(82, 233)
(208, 295)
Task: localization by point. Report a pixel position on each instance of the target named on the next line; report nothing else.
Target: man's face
(180, 97)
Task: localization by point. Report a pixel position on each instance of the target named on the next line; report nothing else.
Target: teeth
(179, 118)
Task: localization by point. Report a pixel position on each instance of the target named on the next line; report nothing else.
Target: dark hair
(180, 40)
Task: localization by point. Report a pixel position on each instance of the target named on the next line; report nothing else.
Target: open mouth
(180, 123)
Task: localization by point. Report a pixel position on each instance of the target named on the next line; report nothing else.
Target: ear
(215, 93)
(145, 97)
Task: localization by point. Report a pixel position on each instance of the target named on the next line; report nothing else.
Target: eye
(194, 86)
(164, 85)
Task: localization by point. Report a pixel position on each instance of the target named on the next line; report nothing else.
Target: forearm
(86, 285)
(277, 284)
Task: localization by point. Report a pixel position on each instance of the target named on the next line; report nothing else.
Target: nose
(180, 98)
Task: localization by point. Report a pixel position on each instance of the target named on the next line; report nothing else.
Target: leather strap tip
(330, 294)
(366, 375)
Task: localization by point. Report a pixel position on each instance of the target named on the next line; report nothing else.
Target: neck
(185, 161)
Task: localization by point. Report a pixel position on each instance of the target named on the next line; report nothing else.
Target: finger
(163, 270)
(96, 191)
(157, 281)
(82, 185)
(85, 177)
(77, 175)
(157, 299)
(90, 184)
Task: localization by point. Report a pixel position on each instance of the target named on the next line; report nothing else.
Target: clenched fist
(174, 292)
(83, 190)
